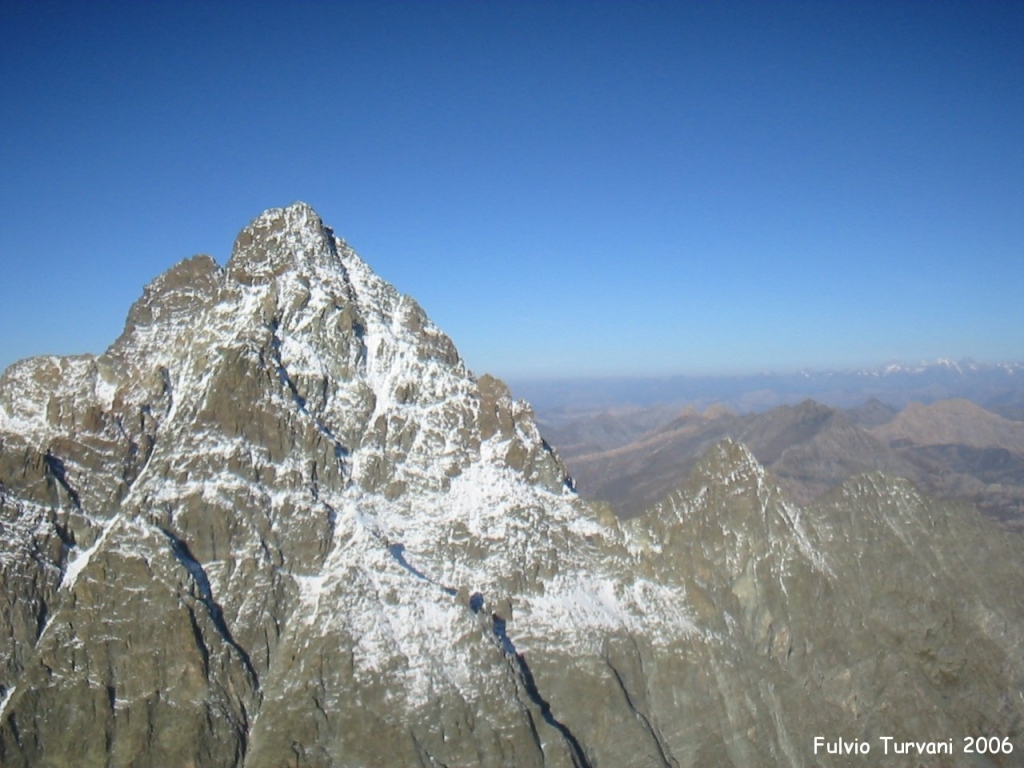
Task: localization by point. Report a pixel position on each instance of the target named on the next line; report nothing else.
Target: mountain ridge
(952, 449)
(996, 386)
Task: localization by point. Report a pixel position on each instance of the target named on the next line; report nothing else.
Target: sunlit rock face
(278, 522)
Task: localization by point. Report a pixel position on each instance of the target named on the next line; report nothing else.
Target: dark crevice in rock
(360, 331)
(516, 659)
(167, 391)
(42, 614)
(216, 613)
(397, 552)
(282, 372)
(666, 760)
(65, 534)
(165, 378)
(579, 757)
(522, 669)
(12, 720)
(119, 423)
(340, 451)
(332, 525)
(498, 626)
(197, 633)
(56, 469)
(426, 760)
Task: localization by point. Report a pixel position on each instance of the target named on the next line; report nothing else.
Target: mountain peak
(279, 239)
(729, 459)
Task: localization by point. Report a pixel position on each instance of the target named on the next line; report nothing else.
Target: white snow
(6, 699)
(74, 568)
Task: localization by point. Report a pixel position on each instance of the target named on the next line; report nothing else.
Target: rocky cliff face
(279, 523)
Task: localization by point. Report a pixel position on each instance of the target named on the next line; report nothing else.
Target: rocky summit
(279, 523)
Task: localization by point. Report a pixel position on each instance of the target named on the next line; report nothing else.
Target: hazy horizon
(568, 189)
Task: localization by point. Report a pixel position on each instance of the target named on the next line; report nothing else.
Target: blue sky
(567, 188)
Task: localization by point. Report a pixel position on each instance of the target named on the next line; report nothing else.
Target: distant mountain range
(998, 387)
(951, 448)
(950, 426)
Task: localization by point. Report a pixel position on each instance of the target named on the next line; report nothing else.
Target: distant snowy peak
(965, 366)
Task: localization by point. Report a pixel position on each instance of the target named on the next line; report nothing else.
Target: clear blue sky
(567, 188)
